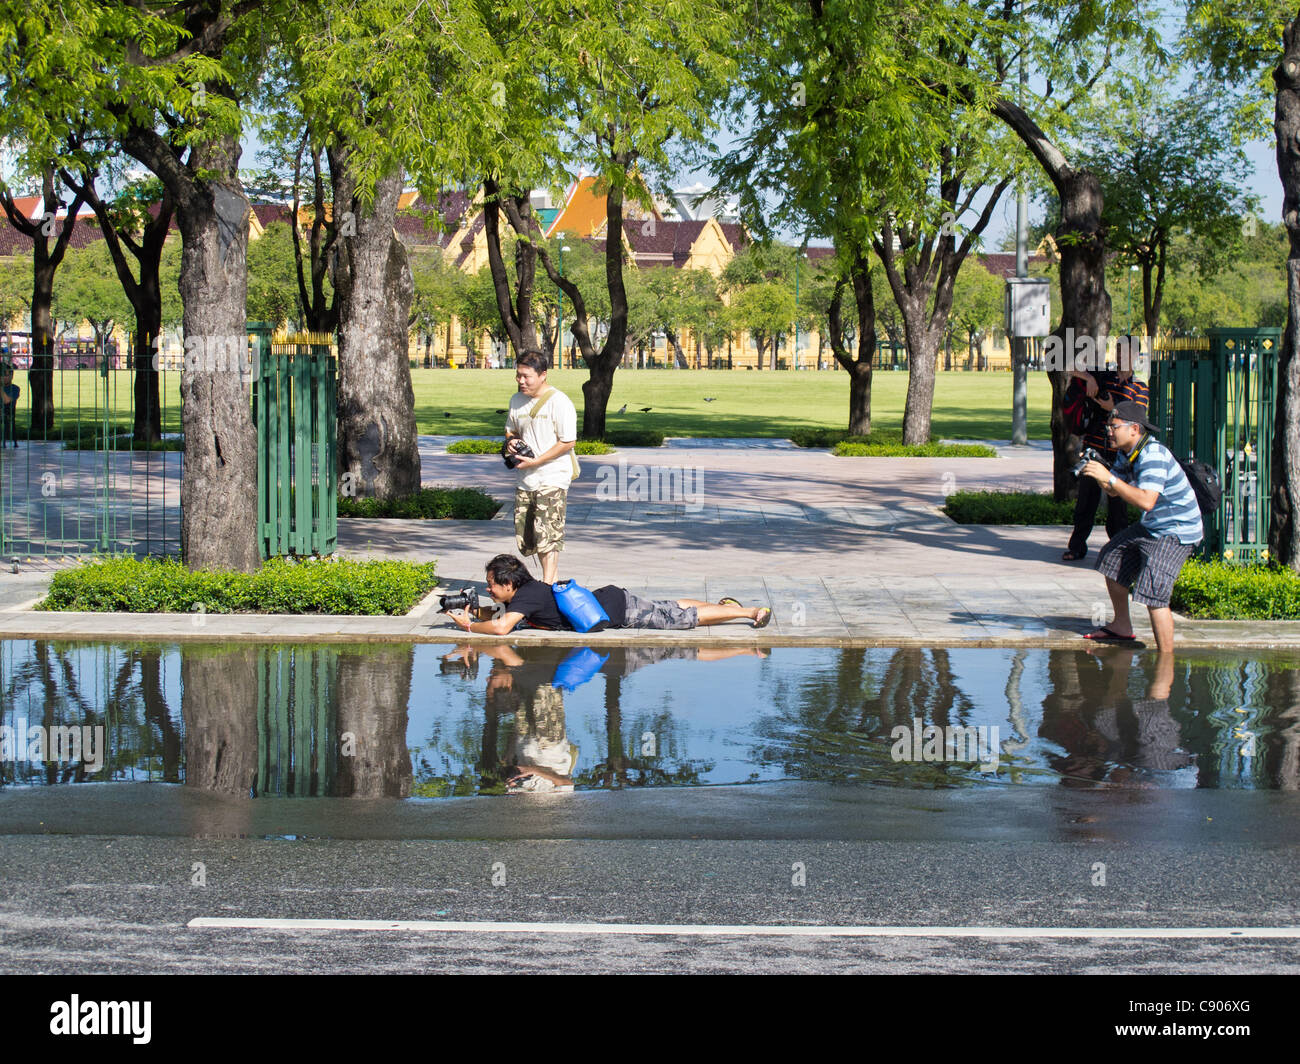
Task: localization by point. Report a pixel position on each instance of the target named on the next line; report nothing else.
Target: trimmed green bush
(494, 446)
(313, 585)
(457, 504)
(873, 449)
(832, 437)
(1218, 591)
(476, 446)
(595, 447)
(1018, 508)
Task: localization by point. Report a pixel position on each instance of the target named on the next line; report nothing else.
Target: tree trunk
(922, 353)
(45, 260)
(374, 690)
(40, 378)
(148, 415)
(378, 440)
(219, 489)
(596, 391)
(859, 369)
(144, 295)
(219, 708)
(516, 316)
(1085, 304)
(1284, 529)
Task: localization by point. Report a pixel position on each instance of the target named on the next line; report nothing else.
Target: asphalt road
(107, 879)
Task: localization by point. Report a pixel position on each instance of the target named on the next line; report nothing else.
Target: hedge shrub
(459, 504)
(494, 446)
(875, 449)
(832, 437)
(1017, 508)
(313, 585)
(1218, 591)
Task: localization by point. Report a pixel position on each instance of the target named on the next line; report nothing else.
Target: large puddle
(420, 722)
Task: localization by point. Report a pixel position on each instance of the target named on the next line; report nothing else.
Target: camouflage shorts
(539, 519)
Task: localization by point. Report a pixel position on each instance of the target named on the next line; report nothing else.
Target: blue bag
(580, 607)
(579, 666)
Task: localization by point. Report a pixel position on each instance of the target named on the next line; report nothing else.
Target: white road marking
(762, 930)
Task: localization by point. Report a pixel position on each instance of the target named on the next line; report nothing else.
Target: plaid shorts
(1147, 564)
(644, 613)
(539, 519)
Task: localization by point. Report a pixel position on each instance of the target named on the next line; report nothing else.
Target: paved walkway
(847, 551)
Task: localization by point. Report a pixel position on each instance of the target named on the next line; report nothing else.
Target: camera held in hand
(464, 599)
(516, 454)
(1089, 455)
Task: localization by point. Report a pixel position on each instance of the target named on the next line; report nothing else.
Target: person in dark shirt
(533, 601)
(1105, 389)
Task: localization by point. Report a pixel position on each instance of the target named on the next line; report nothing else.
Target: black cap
(1127, 410)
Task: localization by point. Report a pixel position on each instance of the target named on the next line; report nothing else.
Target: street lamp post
(559, 313)
(1131, 271)
(800, 254)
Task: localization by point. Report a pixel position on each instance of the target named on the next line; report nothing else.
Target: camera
(1089, 455)
(514, 455)
(464, 599)
(464, 667)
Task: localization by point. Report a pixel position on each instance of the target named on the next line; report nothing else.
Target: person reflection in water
(1106, 735)
(528, 695)
(539, 758)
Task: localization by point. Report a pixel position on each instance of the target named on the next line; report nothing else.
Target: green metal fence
(1214, 398)
(295, 415)
(85, 484)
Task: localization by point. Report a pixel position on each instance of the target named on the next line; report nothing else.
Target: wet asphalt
(106, 879)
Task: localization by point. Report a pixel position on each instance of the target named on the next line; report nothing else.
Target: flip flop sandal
(764, 616)
(1107, 634)
(729, 602)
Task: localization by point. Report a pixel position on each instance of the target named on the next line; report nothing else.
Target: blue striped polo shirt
(1154, 468)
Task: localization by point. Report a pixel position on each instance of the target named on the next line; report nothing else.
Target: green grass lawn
(748, 402)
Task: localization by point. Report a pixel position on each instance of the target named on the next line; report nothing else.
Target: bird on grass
(503, 410)
(710, 399)
(646, 409)
(623, 409)
(445, 414)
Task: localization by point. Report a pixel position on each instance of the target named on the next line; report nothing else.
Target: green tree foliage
(1248, 292)
(86, 288)
(272, 277)
(1256, 49)
(977, 309)
(759, 282)
(1168, 168)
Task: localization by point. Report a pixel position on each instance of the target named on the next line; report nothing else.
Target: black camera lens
(465, 599)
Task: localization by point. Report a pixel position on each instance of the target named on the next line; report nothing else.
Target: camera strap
(541, 405)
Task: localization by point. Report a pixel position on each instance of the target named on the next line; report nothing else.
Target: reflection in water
(403, 721)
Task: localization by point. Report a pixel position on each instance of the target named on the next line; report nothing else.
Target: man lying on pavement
(533, 602)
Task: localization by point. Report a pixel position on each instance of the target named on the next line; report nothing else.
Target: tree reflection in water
(306, 721)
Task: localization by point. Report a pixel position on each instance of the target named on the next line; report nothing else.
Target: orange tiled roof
(583, 213)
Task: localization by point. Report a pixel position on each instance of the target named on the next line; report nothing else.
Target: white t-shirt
(557, 422)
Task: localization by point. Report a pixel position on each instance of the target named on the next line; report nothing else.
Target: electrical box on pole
(1027, 308)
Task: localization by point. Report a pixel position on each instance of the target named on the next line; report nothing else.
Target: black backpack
(1205, 483)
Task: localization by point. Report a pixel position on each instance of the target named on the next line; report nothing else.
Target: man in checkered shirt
(1148, 556)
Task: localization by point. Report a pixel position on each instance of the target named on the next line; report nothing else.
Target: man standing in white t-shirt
(544, 419)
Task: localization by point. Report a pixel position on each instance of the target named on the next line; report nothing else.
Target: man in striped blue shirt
(1148, 556)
